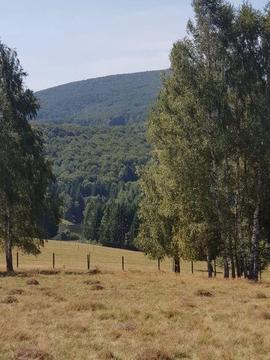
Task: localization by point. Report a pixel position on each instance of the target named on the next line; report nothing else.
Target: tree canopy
(25, 175)
(206, 191)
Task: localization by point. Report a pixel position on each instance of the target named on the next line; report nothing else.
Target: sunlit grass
(138, 314)
(73, 255)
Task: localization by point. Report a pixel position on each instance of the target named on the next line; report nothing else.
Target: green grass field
(73, 256)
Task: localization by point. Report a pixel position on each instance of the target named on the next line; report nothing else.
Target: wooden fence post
(177, 266)
(158, 264)
(215, 268)
(17, 259)
(53, 260)
(192, 269)
(123, 263)
(88, 261)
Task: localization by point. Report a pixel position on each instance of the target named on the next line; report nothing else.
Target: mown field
(138, 314)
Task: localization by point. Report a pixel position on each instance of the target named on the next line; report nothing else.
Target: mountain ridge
(109, 100)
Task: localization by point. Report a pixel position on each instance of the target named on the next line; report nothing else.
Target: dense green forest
(96, 171)
(95, 136)
(111, 100)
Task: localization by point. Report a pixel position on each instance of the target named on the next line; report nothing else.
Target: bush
(66, 235)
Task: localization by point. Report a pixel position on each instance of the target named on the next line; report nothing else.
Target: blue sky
(59, 41)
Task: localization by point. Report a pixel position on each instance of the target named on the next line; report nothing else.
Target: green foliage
(67, 235)
(114, 222)
(154, 237)
(52, 212)
(92, 218)
(119, 222)
(24, 173)
(207, 187)
(91, 162)
(112, 100)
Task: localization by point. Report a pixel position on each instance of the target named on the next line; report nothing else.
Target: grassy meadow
(138, 314)
(73, 256)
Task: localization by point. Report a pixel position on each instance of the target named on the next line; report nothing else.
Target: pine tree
(92, 218)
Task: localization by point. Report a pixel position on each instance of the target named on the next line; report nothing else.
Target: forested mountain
(96, 171)
(111, 100)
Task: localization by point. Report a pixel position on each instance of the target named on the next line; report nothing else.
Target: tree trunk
(209, 266)
(238, 266)
(254, 263)
(233, 267)
(209, 269)
(8, 248)
(245, 267)
(226, 268)
(254, 259)
(231, 258)
(239, 242)
(176, 264)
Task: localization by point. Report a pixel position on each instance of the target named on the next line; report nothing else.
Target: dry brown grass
(139, 314)
(136, 316)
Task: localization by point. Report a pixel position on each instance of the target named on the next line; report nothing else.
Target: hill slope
(111, 100)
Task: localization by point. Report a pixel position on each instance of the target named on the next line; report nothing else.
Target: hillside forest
(95, 136)
(96, 168)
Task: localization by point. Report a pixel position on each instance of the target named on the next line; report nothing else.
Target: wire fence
(77, 256)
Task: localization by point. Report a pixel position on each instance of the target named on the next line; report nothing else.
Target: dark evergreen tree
(92, 218)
